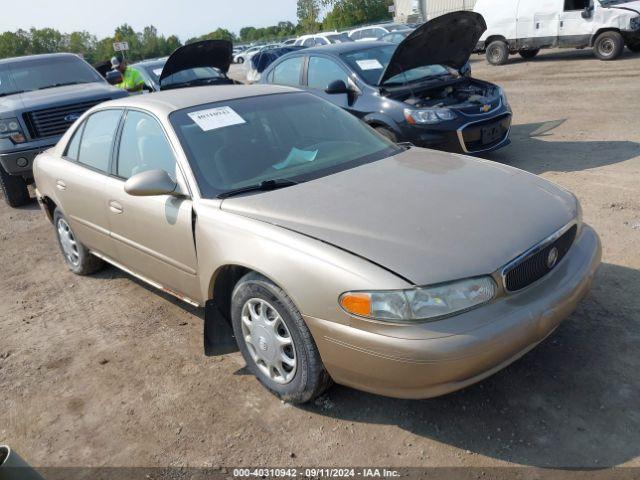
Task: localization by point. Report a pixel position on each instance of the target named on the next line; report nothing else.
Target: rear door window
(97, 139)
(288, 72)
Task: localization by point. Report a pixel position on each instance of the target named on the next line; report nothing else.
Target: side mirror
(586, 13)
(151, 183)
(337, 87)
(114, 77)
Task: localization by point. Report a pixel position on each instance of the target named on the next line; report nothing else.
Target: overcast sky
(185, 18)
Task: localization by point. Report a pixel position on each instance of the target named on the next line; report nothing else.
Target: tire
(497, 52)
(527, 54)
(608, 46)
(76, 255)
(634, 47)
(14, 188)
(298, 380)
(385, 132)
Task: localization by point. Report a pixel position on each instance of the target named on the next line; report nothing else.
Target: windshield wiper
(63, 84)
(259, 187)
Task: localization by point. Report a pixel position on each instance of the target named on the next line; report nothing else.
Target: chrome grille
(535, 264)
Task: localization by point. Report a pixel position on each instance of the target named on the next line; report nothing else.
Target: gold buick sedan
(334, 254)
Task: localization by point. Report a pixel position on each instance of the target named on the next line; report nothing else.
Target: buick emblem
(72, 117)
(552, 258)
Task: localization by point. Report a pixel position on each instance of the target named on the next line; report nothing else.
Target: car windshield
(153, 69)
(284, 137)
(606, 3)
(191, 75)
(339, 38)
(370, 63)
(44, 72)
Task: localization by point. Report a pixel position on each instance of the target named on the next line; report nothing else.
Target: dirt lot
(105, 371)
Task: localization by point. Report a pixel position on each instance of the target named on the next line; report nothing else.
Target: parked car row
(326, 250)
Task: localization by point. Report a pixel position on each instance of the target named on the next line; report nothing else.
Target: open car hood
(207, 53)
(446, 40)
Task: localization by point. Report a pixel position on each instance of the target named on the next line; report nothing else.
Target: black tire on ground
(529, 53)
(80, 262)
(310, 379)
(14, 189)
(634, 47)
(384, 131)
(608, 45)
(497, 52)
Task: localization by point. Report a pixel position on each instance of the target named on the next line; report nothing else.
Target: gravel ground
(105, 371)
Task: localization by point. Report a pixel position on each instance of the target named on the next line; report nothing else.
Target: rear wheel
(527, 54)
(275, 342)
(608, 45)
(76, 255)
(497, 52)
(385, 132)
(14, 189)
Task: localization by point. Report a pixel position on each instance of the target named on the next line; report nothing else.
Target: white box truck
(526, 26)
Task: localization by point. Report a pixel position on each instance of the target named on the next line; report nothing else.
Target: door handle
(115, 207)
(60, 185)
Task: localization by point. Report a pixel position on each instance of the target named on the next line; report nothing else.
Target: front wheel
(76, 255)
(527, 54)
(385, 132)
(275, 342)
(497, 52)
(608, 45)
(14, 188)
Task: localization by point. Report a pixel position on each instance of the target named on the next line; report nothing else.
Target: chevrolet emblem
(485, 108)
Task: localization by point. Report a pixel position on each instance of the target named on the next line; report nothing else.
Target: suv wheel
(14, 189)
(498, 52)
(76, 255)
(608, 45)
(275, 342)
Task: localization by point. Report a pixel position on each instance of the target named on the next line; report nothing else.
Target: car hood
(427, 216)
(446, 40)
(632, 6)
(52, 97)
(206, 53)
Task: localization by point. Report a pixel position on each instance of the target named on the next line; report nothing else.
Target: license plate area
(491, 133)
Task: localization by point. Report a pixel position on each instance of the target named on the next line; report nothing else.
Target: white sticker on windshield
(371, 64)
(157, 71)
(214, 118)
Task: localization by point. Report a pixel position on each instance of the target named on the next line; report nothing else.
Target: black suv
(40, 97)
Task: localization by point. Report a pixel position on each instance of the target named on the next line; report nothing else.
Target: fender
(378, 119)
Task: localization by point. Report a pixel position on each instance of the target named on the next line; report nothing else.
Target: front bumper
(465, 134)
(424, 368)
(20, 162)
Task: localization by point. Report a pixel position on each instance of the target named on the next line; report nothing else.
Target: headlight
(10, 128)
(428, 115)
(420, 303)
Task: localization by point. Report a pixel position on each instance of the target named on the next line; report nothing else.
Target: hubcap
(268, 340)
(68, 242)
(607, 47)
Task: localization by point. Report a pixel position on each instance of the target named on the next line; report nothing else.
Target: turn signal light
(357, 303)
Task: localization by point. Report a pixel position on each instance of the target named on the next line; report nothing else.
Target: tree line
(338, 15)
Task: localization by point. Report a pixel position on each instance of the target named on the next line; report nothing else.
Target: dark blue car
(415, 91)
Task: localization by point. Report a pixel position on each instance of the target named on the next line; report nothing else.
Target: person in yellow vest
(132, 81)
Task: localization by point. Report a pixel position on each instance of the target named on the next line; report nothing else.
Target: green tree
(45, 40)
(308, 13)
(13, 44)
(348, 13)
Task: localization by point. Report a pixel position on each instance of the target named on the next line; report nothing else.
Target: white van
(526, 26)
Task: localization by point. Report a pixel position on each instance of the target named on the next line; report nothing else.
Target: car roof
(347, 47)
(168, 101)
(44, 56)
